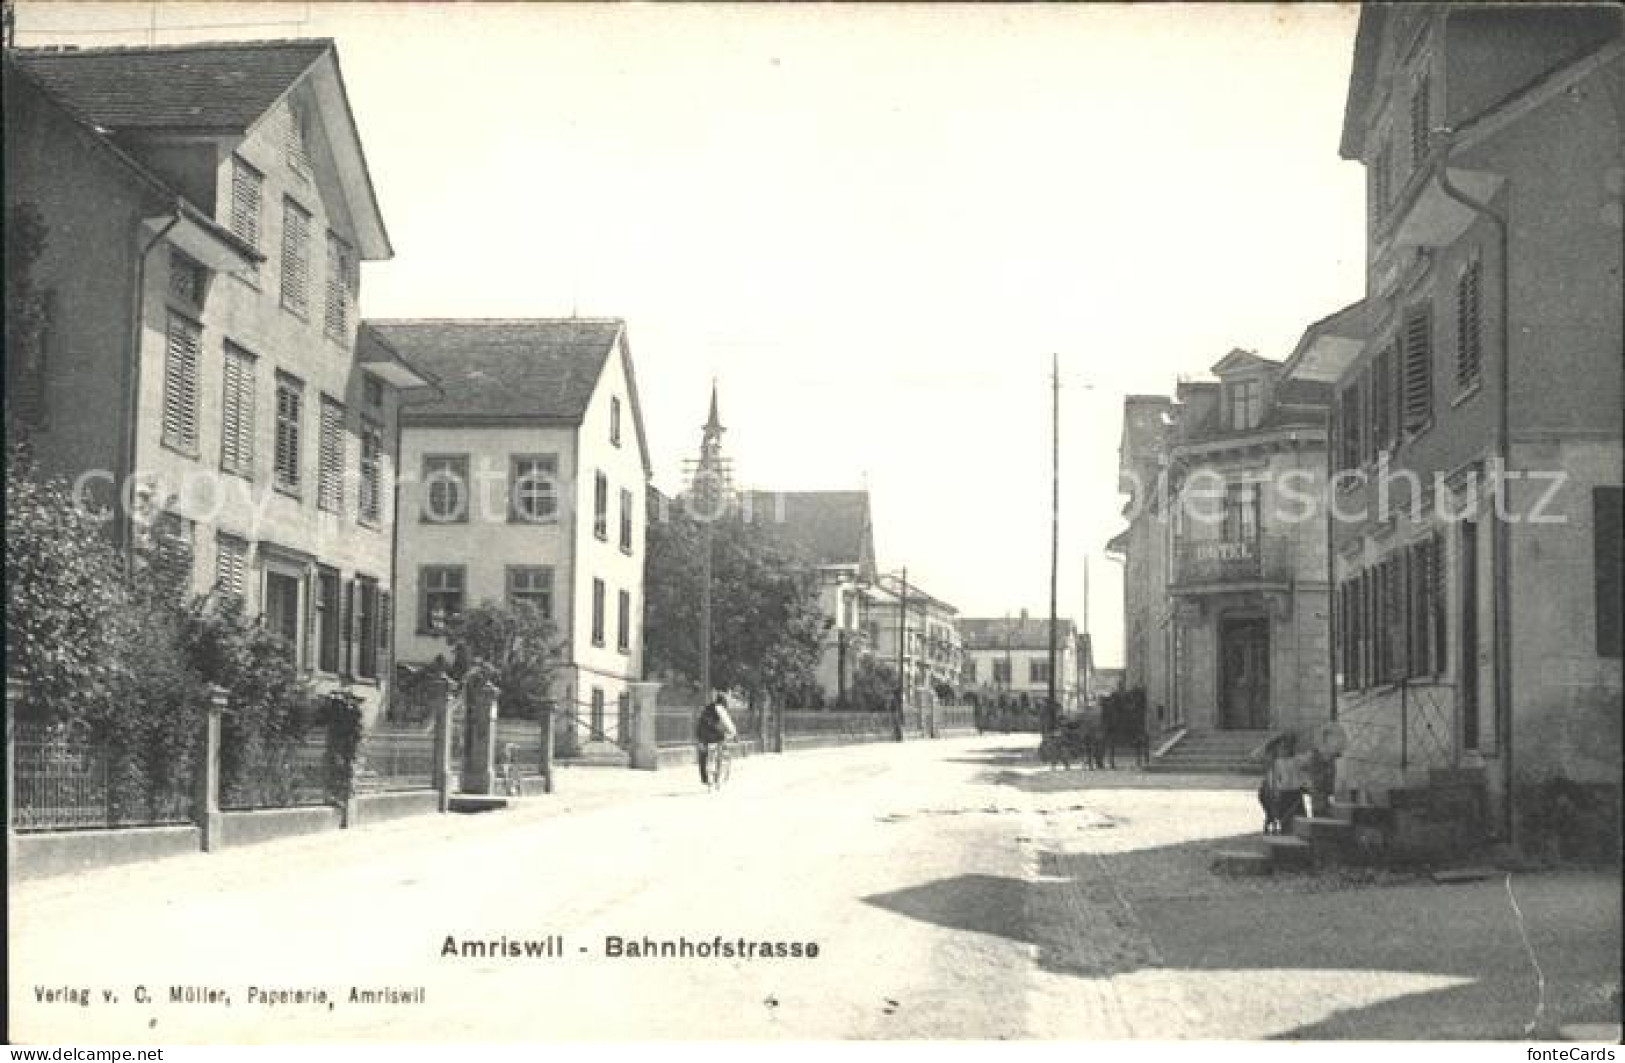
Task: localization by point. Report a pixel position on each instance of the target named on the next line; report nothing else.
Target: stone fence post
(645, 740)
(548, 739)
(207, 799)
(16, 692)
(439, 697)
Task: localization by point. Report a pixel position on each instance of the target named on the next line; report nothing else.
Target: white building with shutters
(207, 208)
(524, 477)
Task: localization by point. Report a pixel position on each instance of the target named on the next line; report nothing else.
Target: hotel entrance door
(1244, 675)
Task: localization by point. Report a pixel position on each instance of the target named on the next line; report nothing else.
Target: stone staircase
(1436, 824)
(1213, 753)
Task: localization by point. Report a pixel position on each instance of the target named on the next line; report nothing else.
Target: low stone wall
(67, 852)
(376, 808)
(246, 828)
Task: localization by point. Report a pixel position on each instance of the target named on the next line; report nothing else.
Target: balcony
(1222, 564)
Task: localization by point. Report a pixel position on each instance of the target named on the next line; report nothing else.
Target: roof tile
(216, 86)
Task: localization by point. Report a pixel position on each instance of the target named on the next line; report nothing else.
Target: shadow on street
(1097, 915)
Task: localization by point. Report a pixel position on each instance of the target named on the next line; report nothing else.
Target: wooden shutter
(330, 475)
(245, 202)
(1418, 369)
(237, 412)
(1607, 528)
(1421, 121)
(385, 625)
(347, 626)
(1381, 408)
(336, 319)
(181, 383)
(1469, 347)
(295, 257)
(289, 414)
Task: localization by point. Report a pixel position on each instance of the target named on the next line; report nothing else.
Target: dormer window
(1244, 404)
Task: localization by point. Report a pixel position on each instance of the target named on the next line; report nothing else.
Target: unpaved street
(953, 890)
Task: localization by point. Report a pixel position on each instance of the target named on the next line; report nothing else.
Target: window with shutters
(329, 619)
(1001, 672)
(1382, 167)
(369, 504)
(597, 612)
(1469, 330)
(623, 622)
(231, 566)
(181, 364)
(188, 281)
(1350, 418)
(442, 588)
(533, 492)
(1421, 121)
(281, 611)
(626, 522)
(237, 412)
(372, 392)
(295, 258)
(369, 627)
(623, 714)
(1608, 530)
(600, 506)
(246, 186)
(1382, 390)
(531, 585)
(340, 289)
(1038, 670)
(596, 721)
(330, 474)
(290, 399)
(1417, 404)
(445, 488)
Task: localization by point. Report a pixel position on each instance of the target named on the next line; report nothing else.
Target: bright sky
(873, 225)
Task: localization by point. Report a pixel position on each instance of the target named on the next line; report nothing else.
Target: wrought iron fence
(845, 726)
(68, 780)
(674, 727)
(282, 775)
(520, 742)
(392, 760)
(956, 717)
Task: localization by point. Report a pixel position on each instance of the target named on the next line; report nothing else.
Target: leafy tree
(27, 314)
(874, 685)
(767, 626)
(513, 646)
(67, 606)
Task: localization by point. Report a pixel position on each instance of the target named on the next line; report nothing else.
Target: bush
(69, 631)
(874, 686)
(513, 646)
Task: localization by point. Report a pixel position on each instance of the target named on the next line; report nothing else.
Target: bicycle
(511, 785)
(717, 764)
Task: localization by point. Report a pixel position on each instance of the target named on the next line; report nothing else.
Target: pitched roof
(223, 86)
(1013, 632)
(540, 369)
(830, 527)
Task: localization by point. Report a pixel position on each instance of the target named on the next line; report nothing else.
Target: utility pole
(902, 641)
(1054, 531)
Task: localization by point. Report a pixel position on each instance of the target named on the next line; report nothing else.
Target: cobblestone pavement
(956, 890)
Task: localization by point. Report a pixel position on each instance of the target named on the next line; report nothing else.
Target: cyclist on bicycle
(713, 727)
